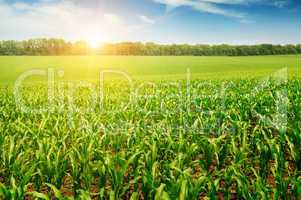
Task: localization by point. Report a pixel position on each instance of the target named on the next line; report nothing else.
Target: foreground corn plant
(168, 143)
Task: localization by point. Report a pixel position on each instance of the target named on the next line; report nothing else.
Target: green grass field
(229, 134)
(88, 67)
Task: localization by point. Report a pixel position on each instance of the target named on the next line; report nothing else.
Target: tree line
(41, 47)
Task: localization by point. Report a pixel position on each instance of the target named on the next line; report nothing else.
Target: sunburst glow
(94, 41)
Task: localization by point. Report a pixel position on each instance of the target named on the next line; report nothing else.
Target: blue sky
(162, 21)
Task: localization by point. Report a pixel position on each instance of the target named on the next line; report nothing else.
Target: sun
(94, 42)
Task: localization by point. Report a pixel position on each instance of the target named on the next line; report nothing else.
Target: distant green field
(139, 67)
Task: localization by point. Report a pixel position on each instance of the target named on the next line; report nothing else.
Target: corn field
(213, 140)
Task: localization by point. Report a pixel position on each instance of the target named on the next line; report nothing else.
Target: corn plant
(165, 144)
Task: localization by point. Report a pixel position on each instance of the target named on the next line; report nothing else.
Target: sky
(160, 21)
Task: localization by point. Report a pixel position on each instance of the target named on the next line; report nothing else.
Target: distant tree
(80, 48)
(53, 46)
(298, 48)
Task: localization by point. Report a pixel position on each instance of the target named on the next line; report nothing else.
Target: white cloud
(65, 19)
(208, 6)
(280, 3)
(112, 18)
(214, 6)
(146, 19)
